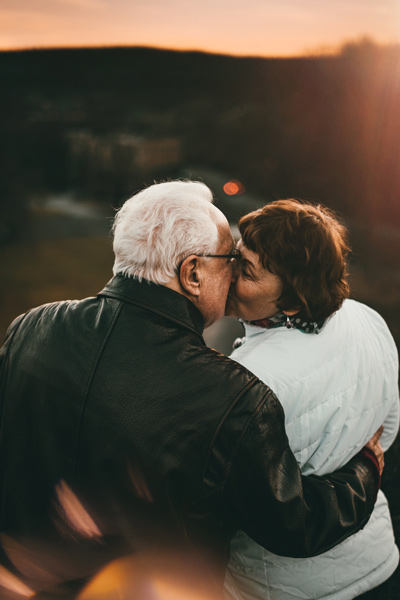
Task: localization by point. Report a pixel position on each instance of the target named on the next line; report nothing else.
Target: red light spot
(234, 188)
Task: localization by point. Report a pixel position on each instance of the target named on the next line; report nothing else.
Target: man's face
(217, 279)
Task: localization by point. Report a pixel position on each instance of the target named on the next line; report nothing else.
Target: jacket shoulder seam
(89, 382)
(255, 411)
(253, 415)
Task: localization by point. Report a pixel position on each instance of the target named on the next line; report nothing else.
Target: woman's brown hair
(307, 247)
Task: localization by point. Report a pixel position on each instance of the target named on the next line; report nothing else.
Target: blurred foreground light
(139, 482)
(74, 513)
(234, 188)
(149, 576)
(13, 584)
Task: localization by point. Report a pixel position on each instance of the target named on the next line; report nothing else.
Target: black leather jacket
(159, 438)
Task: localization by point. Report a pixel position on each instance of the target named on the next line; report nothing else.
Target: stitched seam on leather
(89, 382)
(243, 433)
(249, 385)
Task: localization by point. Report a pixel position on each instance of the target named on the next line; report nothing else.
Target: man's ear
(189, 275)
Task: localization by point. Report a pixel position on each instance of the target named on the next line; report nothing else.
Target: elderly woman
(309, 341)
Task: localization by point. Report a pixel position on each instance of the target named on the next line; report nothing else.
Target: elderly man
(121, 431)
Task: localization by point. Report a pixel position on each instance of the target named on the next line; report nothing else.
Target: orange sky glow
(255, 27)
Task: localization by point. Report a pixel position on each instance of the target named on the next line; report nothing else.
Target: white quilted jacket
(337, 388)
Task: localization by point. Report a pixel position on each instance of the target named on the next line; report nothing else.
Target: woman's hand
(375, 445)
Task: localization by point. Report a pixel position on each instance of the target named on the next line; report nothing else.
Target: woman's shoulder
(355, 317)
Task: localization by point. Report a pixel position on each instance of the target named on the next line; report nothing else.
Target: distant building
(154, 153)
(124, 151)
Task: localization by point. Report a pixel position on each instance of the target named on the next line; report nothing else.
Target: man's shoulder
(55, 310)
(52, 317)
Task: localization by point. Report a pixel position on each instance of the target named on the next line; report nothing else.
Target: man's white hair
(156, 229)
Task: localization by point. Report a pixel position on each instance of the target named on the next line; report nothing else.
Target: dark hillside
(326, 128)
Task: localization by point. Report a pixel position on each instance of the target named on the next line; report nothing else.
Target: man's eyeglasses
(234, 256)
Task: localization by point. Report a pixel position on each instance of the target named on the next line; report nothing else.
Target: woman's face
(254, 291)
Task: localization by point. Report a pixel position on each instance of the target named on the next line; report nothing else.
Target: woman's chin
(231, 310)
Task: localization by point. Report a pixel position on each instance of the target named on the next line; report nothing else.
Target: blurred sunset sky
(239, 27)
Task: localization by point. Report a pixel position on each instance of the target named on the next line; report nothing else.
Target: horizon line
(150, 47)
(311, 53)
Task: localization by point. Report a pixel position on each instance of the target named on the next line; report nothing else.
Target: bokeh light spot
(234, 188)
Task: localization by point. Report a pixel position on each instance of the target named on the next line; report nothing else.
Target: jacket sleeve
(4, 349)
(285, 512)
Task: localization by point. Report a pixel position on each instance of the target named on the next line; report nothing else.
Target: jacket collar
(156, 298)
